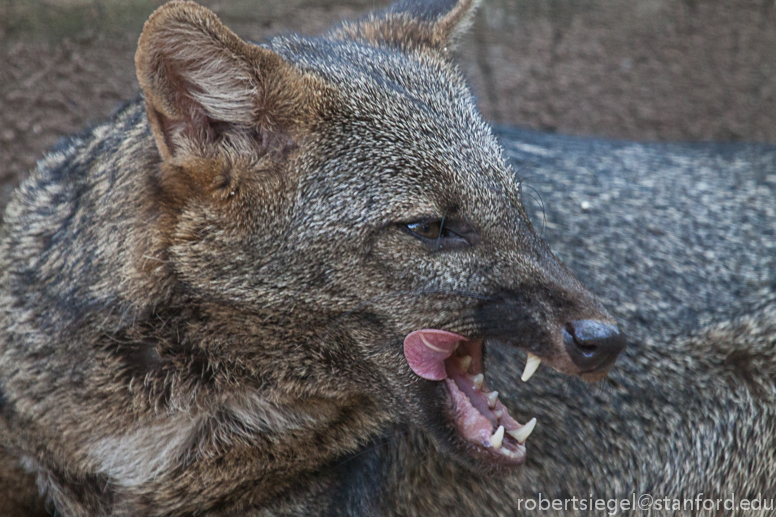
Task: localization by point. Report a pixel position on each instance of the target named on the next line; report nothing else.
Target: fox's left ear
(414, 24)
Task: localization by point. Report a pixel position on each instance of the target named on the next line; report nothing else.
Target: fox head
(348, 228)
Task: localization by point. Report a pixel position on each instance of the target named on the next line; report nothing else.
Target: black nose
(593, 345)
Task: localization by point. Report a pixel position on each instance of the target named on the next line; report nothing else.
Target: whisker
(541, 205)
(592, 174)
(441, 229)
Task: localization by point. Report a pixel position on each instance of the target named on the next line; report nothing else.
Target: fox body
(213, 298)
(227, 300)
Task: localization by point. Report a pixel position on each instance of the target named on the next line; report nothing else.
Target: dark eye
(427, 230)
(450, 234)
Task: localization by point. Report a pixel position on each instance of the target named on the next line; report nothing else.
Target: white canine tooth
(465, 362)
(478, 380)
(531, 364)
(522, 434)
(497, 438)
(492, 398)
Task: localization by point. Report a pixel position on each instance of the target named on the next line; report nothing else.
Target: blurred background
(629, 69)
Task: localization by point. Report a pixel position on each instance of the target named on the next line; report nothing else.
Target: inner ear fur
(203, 84)
(414, 24)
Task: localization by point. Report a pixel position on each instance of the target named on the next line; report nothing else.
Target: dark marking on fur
(4, 404)
(742, 365)
(360, 480)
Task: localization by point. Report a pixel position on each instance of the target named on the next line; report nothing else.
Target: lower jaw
(510, 452)
(481, 420)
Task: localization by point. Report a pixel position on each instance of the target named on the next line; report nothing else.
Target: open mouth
(479, 415)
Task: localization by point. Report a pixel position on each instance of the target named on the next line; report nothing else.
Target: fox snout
(557, 322)
(592, 345)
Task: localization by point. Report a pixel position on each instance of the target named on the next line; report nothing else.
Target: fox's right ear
(203, 85)
(414, 24)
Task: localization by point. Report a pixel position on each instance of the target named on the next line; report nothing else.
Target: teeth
(497, 438)
(465, 362)
(478, 380)
(531, 364)
(492, 398)
(522, 434)
(499, 413)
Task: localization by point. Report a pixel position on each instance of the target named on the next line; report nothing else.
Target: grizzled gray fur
(679, 241)
(203, 300)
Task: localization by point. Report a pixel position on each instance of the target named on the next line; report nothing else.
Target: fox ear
(414, 24)
(203, 84)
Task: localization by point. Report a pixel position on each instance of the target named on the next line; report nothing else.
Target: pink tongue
(426, 351)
